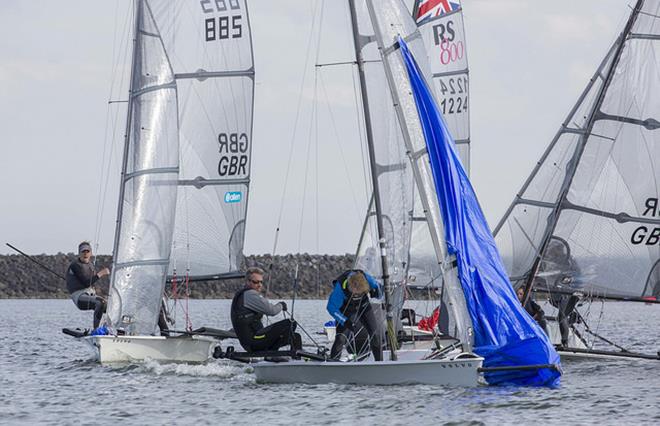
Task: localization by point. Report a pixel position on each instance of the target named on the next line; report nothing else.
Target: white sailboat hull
(458, 372)
(117, 349)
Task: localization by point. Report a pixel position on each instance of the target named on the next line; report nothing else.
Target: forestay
(443, 31)
(149, 184)
(210, 46)
(588, 217)
(504, 334)
(402, 163)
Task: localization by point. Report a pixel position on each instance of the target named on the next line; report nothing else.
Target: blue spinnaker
(505, 335)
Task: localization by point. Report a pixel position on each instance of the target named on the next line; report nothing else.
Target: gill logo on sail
(233, 197)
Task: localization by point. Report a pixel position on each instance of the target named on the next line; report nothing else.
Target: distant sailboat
(186, 170)
(586, 223)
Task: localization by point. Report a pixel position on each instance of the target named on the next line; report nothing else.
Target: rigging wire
(306, 174)
(361, 126)
(295, 127)
(347, 173)
(107, 158)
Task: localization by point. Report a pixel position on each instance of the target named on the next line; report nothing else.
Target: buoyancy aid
(246, 322)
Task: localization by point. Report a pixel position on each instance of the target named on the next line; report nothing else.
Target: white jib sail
(149, 184)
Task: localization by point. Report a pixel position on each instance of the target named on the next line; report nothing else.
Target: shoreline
(20, 278)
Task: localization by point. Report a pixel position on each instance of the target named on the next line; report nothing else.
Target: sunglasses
(257, 282)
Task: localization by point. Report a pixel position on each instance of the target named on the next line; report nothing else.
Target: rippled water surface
(48, 378)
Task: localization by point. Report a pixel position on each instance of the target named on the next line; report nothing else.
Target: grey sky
(528, 62)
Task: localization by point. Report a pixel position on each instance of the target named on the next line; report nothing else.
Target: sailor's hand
(284, 308)
(103, 272)
(348, 324)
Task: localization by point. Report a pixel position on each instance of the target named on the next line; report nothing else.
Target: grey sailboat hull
(456, 372)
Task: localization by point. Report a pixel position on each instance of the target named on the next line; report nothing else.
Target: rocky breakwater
(22, 278)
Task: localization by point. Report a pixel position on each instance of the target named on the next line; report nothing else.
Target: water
(48, 378)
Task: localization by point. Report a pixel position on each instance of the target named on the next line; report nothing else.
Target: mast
(374, 179)
(120, 204)
(578, 153)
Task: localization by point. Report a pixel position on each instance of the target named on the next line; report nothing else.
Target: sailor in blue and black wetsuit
(349, 305)
(248, 308)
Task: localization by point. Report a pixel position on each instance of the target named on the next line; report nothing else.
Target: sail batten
(216, 74)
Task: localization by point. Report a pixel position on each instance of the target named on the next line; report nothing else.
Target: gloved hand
(284, 308)
(348, 324)
(376, 292)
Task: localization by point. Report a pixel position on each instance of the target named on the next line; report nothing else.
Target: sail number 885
(222, 27)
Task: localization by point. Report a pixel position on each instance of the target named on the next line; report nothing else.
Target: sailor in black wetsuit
(80, 279)
(248, 308)
(534, 310)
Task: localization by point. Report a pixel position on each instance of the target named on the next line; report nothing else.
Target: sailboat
(585, 224)
(185, 173)
(417, 178)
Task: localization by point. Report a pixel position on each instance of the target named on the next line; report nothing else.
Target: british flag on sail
(427, 9)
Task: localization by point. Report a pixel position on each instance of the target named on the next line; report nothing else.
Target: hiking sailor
(247, 309)
(80, 278)
(349, 305)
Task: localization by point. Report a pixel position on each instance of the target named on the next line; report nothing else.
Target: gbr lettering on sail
(648, 235)
(223, 22)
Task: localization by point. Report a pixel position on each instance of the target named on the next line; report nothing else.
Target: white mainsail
(441, 26)
(192, 86)
(587, 218)
(210, 46)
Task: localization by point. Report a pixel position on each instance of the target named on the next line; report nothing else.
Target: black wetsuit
(566, 314)
(247, 310)
(535, 311)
